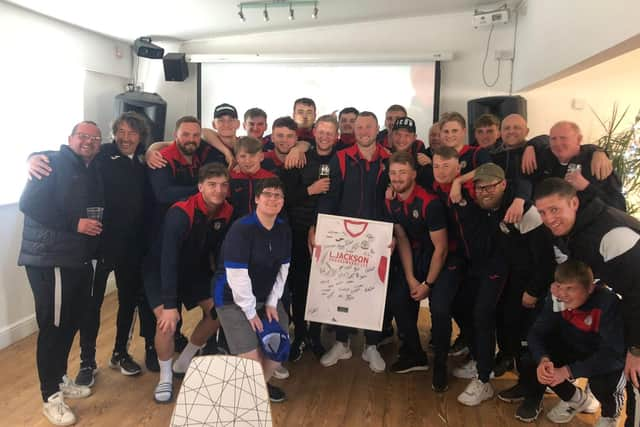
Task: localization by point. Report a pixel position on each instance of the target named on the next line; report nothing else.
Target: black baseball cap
(225, 110)
(405, 123)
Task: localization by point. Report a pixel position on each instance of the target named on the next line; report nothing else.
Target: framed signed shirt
(349, 272)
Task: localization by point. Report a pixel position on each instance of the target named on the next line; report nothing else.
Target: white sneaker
(468, 371)
(606, 422)
(564, 412)
(281, 373)
(339, 351)
(594, 403)
(57, 412)
(72, 390)
(476, 393)
(372, 355)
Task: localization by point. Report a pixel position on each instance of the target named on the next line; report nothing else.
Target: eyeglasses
(270, 195)
(87, 137)
(489, 188)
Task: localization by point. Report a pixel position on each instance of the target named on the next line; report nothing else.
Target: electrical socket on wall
(503, 54)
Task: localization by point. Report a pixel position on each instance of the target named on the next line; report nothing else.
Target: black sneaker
(502, 366)
(405, 365)
(126, 364)
(316, 347)
(151, 359)
(529, 410)
(439, 382)
(180, 342)
(210, 348)
(276, 395)
(297, 349)
(513, 394)
(87, 375)
(459, 347)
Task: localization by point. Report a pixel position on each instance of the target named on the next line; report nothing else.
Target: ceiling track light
(264, 5)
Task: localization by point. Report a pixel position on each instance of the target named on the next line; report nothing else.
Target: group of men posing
(478, 229)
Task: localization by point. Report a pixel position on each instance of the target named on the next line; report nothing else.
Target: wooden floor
(347, 394)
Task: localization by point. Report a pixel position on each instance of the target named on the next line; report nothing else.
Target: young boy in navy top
(249, 155)
(585, 338)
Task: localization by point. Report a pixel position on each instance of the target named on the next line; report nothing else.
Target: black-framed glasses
(87, 137)
(487, 188)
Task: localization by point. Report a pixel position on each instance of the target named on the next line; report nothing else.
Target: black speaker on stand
(150, 105)
(175, 67)
(500, 106)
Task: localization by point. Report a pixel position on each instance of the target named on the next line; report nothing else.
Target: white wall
(597, 88)
(461, 77)
(555, 35)
(26, 35)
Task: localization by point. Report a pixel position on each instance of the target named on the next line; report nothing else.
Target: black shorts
(191, 290)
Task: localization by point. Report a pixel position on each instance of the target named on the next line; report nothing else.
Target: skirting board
(27, 325)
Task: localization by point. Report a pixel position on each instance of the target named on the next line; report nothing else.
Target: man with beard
(358, 180)
(303, 188)
(607, 240)
(420, 229)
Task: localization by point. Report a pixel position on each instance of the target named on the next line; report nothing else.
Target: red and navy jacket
(179, 179)
(306, 134)
(272, 163)
(420, 214)
(357, 185)
(592, 335)
(346, 140)
(190, 236)
(242, 190)
(382, 138)
(267, 143)
(471, 157)
(456, 216)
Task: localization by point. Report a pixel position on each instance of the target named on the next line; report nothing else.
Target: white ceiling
(198, 19)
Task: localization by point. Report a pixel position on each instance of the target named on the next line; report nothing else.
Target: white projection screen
(274, 88)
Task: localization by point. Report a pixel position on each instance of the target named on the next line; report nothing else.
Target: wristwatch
(427, 284)
(634, 350)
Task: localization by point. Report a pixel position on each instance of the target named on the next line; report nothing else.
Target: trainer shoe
(86, 375)
(281, 373)
(276, 394)
(151, 359)
(594, 405)
(459, 347)
(607, 422)
(126, 364)
(406, 364)
(467, 371)
(564, 412)
(57, 412)
(339, 351)
(372, 355)
(72, 390)
(529, 410)
(439, 382)
(297, 349)
(502, 366)
(163, 392)
(476, 393)
(513, 394)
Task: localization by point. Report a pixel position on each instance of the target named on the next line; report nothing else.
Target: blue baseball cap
(274, 341)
